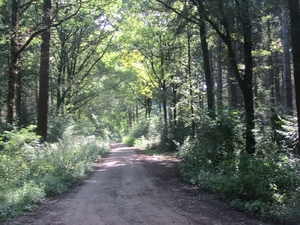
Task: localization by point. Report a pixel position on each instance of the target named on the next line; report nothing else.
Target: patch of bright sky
(104, 23)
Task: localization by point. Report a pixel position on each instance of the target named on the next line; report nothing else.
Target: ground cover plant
(31, 171)
(145, 134)
(266, 184)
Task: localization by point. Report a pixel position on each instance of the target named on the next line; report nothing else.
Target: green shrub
(53, 184)
(57, 126)
(150, 133)
(267, 184)
(17, 200)
(137, 131)
(216, 142)
(31, 171)
(285, 132)
(129, 140)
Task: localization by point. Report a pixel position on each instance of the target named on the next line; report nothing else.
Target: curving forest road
(128, 187)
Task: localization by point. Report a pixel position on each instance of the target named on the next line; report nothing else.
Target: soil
(129, 187)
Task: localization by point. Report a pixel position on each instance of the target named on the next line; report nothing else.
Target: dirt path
(131, 188)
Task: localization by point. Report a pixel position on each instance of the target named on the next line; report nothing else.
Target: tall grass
(29, 171)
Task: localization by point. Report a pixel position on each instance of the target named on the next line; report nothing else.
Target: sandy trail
(123, 191)
(119, 192)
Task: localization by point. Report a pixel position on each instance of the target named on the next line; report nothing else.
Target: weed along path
(129, 187)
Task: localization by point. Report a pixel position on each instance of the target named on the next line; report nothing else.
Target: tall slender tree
(295, 34)
(187, 13)
(13, 63)
(190, 84)
(42, 124)
(218, 15)
(288, 100)
(245, 77)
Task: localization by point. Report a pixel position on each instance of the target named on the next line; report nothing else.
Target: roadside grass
(30, 171)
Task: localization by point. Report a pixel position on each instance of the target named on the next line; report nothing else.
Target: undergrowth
(153, 134)
(30, 171)
(266, 184)
(144, 134)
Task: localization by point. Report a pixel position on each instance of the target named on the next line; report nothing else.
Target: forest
(216, 81)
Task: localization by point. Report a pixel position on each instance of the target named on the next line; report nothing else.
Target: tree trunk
(245, 85)
(207, 70)
(137, 113)
(219, 79)
(244, 80)
(247, 82)
(271, 68)
(42, 125)
(13, 64)
(277, 78)
(170, 108)
(287, 87)
(130, 118)
(192, 111)
(18, 99)
(233, 88)
(163, 84)
(148, 107)
(295, 33)
(1, 107)
(61, 73)
(174, 102)
(164, 101)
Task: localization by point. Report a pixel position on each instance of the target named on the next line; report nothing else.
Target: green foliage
(62, 126)
(17, 155)
(154, 134)
(285, 131)
(217, 140)
(31, 171)
(138, 130)
(149, 133)
(180, 132)
(266, 183)
(57, 126)
(165, 138)
(129, 140)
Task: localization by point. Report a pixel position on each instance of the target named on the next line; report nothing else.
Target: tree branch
(42, 30)
(191, 19)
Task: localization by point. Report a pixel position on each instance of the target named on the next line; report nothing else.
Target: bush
(129, 140)
(137, 131)
(216, 142)
(57, 126)
(30, 171)
(61, 126)
(266, 184)
(150, 133)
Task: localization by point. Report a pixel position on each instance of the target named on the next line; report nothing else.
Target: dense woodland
(217, 81)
